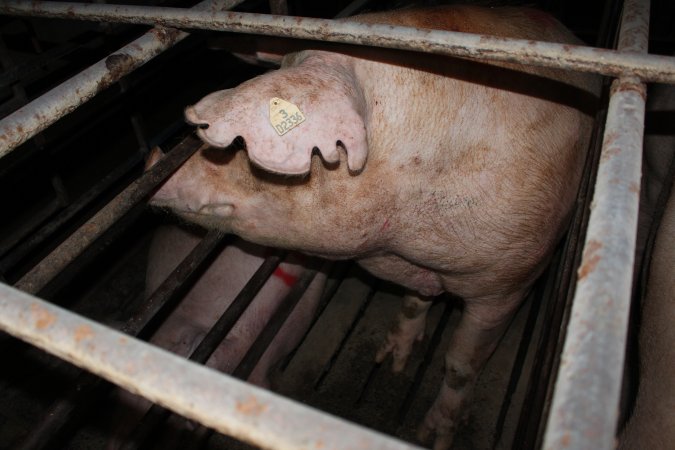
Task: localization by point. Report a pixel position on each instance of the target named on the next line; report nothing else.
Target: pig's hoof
(399, 343)
(440, 432)
(443, 419)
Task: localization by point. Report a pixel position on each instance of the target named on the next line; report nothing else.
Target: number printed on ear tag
(284, 116)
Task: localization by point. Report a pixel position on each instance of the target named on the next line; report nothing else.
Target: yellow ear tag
(284, 116)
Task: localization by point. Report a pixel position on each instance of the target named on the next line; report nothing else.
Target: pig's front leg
(480, 328)
(408, 329)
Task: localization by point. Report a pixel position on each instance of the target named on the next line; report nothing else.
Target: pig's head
(218, 188)
(312, 103)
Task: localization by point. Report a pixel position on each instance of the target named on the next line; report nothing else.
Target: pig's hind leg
(478, 332)
(408, 329)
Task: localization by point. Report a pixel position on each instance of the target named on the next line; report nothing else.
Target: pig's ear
(329, 123)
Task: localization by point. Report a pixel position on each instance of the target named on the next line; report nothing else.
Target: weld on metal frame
(585, 404)
(26, 122)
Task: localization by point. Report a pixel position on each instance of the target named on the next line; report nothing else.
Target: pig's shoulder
(515, 22)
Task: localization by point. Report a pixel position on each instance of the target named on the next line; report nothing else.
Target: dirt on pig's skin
(439, 174)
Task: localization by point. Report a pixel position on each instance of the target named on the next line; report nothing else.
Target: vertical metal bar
(586, 398)
(29, 120)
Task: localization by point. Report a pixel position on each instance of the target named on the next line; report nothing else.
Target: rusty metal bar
(157, 414)
(37, 115)
(77, 242)
(228, 405)
(586, 398)
(13, 256)
(85, 391)
(564, 56)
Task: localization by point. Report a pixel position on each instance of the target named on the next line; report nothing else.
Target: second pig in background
(208, 299)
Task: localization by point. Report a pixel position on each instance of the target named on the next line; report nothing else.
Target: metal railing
(587, 389)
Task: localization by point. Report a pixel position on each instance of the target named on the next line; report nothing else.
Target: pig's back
(508, 22)
(492, 152)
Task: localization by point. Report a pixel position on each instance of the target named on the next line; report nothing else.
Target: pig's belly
(400, 271)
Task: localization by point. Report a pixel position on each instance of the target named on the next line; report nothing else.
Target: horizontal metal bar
(77, 242)
(83, 394)
(564, 56)
(228, 405)
(37, 115)
(585, 404)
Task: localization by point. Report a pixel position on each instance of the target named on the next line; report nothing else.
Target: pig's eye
(203, 126)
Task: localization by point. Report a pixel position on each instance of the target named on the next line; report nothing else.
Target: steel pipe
(77, 242)
(585, 404)
(563, 56)
(37, 237)
(228, 405)
(37, 115)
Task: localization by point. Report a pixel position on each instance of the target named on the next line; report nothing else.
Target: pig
(437, 173)
(652, 424)
(205, 302)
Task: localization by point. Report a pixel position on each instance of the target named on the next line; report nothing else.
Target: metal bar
(177, 282)
(156, 414)
(84, 392)
(16, 254)
(586, 398)
(228, 405)
(563, 56)
(29, 120)
(267, 335)
(76, 243)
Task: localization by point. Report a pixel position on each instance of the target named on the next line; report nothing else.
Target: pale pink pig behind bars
(437, 173)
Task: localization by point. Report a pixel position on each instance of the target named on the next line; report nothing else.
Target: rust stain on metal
(591, 258)
(117, 63)
(251, 406)
(634, 188)
(165, 35)
(83, 332)
(610, 152)
(630, 85)
(565, 440)
(43, 318)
